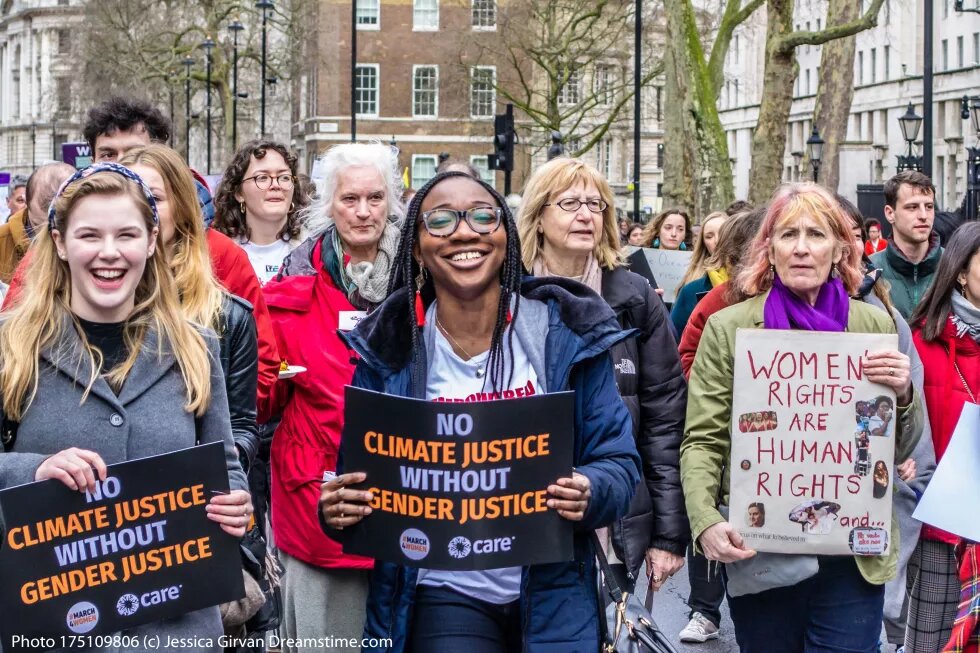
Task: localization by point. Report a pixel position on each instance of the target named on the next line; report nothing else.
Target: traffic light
(503, 141)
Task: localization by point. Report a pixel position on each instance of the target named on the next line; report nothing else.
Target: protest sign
(138, 549)
(459, 486)
(77, 154)
(812, 443)
(955, 485)
(668, 267)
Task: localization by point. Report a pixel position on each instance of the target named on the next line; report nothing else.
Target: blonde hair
(190, 260)
(698, 266)
(547, 182)
(790, 202)
(38, 319)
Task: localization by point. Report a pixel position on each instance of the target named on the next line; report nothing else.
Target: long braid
(405, 270)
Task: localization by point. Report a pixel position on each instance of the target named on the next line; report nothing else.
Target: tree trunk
(702, 177)
(835, 91)
(769, 140)
(678, 176)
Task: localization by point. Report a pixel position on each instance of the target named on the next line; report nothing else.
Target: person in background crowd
(326, 283)
(624, 230)
(119, 124)
(733, 243)
(23, 226)
(909, 263)
(799, 274)
(451, 164)
(635, 235)
(16, 195)
(258, 204)
(912, 476)
(100, 331)
(669, 230)
(738, 206)
(874, 243)
(567, 228)
(482, 327)
(946, 328)
(699, 278)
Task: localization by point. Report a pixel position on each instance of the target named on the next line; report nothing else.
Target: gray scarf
(966, 317)
(369, 280)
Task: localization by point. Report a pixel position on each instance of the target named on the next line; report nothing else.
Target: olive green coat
(707, 438)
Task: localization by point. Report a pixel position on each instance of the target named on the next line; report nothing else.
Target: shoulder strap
(608, 577)
(8, 433)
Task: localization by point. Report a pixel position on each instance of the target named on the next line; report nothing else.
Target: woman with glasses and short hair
(258, 204)
(329, 282)
(567, 226)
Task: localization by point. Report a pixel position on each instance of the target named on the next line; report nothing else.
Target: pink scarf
(592, 277)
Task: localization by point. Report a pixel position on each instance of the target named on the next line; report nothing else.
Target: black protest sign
(138, 549)
(459, 486)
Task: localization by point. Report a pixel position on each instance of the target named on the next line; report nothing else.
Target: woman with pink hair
(800, 274)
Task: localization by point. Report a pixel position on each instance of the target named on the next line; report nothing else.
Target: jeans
(834, 611)
(707, 588)
(450, 622)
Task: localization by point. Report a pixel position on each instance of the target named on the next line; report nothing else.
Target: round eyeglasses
(264, 181)
(443, 223)
(572, 204)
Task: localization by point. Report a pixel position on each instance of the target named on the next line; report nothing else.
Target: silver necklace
(480, 370)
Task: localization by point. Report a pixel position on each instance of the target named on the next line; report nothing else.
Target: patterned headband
(106, 167)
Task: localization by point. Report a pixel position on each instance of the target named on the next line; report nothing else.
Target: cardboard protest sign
(459, 486)
(668, 267)
(139, 549)
(954, 490)
(812, 443)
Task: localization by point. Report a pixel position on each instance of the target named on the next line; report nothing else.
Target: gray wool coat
(146, 419)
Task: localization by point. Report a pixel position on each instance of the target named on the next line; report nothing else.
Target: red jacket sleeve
(713, 302)
(235, 273)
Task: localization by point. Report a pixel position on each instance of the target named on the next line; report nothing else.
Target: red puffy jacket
(945, 393)
(305, 311)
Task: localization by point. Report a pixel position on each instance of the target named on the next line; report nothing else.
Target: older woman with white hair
(336, 276)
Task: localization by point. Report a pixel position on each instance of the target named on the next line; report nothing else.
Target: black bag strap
(608, 577)
(8, 432)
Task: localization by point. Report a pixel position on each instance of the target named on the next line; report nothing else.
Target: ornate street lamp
(188, 61)
(234, 28)
(265, 6)
(814, 146)
(909, 124)
(208, 45)
(970, 108)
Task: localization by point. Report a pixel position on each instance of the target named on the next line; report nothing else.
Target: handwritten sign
(813, 443)
(459, 486)
(138, 549)
(668, 267)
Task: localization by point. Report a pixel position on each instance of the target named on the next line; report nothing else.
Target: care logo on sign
(82, 617)
(460, 547)
(128, 604)
(414, 544)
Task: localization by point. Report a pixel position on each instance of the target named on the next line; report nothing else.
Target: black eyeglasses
(443, 223)
(264, 181)
(572, 204)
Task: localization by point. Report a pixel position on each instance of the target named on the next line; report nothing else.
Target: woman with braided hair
(461, 319)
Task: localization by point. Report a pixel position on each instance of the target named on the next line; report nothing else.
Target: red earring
(419, 306)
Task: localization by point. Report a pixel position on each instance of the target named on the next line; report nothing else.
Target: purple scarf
(784, 310)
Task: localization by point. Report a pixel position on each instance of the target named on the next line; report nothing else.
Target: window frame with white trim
(377, 90)
(417, 181)
(482, 164)
(422, 16)
(492, 104)
(486, 10)
(364, 11)
(416, 69)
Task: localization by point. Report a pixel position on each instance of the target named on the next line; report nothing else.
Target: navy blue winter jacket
(574, 329)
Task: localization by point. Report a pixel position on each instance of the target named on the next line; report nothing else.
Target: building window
(571, 92)
(483, 95)
(874, 65)
(888, 51)
(860, 70)
(485, 14)
(366, 89)
(423, 169)
(735, 50)
(736, 92)
(945, 50)
(959, 52)
(660, 156)
(808, 81)
(660, 107)
(483, 167)
(425, 91)
(425, 15)
(62, 95)
(368, 14)
(976, 48)
(64, 41)
(600, 85)
(605, 158)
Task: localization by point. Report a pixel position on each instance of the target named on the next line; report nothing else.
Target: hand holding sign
(342, 506)
(721, 542)
(232, 511)
(74, 467)
(893, 369)
(573, 496)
